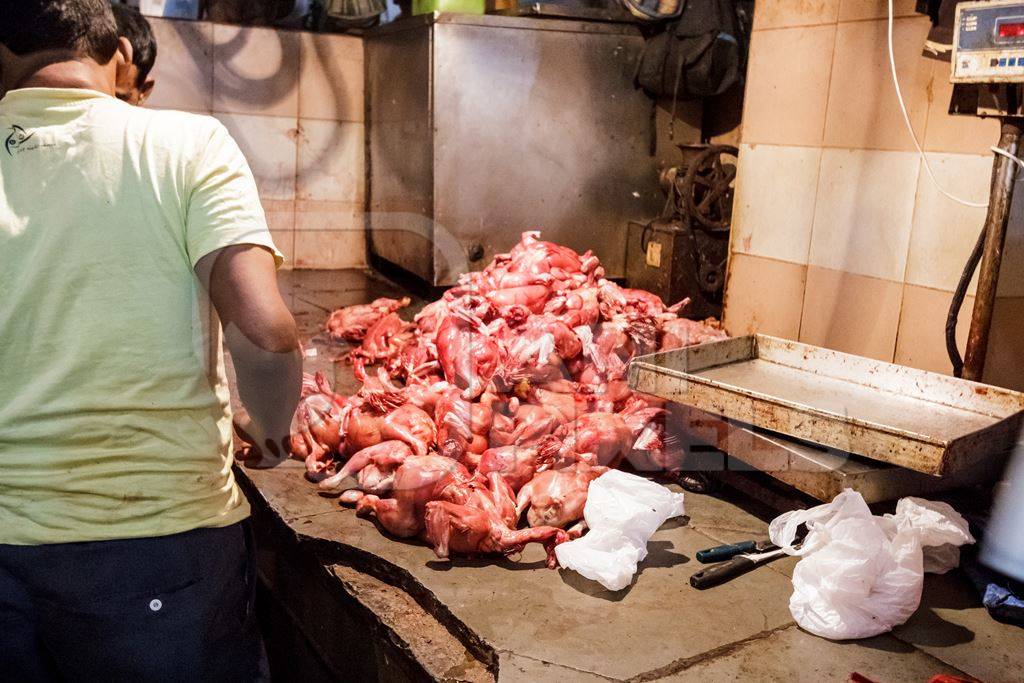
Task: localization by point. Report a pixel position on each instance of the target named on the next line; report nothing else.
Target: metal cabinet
(481, 127)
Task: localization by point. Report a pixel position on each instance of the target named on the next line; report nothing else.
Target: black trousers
(174, 608)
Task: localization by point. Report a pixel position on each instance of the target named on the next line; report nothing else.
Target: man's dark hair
(135, 27)
(85, 27)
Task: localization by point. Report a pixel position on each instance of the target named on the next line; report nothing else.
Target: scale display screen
(988, 42)
(1013, 29)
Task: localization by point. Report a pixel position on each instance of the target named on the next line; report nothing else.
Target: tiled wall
(840, 239)
(294, 103)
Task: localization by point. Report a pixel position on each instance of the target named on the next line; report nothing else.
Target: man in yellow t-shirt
(125, 549)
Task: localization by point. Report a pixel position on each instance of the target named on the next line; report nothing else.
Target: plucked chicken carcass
(380, 461)
(466, 424)
(351, 322)
(556, 497)
(517, 465)
(681, 332)
(506, 396)
(384, 340)
(417, 481)
(607, 437)
(468, 354)
(478, 518)
(316, 434)
(412, 425)
(471, 531)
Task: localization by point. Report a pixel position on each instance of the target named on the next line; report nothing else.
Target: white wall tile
(774, 205)
(944, 231)
(268, 143)
(863, 212)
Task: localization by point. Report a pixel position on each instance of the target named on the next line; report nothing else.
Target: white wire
(1003, 152)
(913, 135)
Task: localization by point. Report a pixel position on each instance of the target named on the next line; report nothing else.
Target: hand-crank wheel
(706, 189)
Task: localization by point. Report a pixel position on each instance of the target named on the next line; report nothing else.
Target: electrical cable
(953, 316)
(910, 127)
(1003, 152)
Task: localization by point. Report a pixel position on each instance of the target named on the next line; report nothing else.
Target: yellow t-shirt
(114, 418)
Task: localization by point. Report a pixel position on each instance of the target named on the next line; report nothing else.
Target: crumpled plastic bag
(623, 511)
(861, 575)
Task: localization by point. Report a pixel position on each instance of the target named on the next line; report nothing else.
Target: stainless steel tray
(915, 419)
(824, 472)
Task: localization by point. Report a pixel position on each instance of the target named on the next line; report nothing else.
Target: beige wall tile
(863, 212)
(321, 249)
(784, 13)
(280, 214)
(787, 86)
(863, 111)
(852, 10)
(331, 77)
(184, 65)
(773, 209)
(764, 296)
(331, 161)
(851, 313)
(281, 221)
(921, 341)
(337, 216)
(947, 132)
(944, 232)
(255, 71)
(268, 143)
(1004, 363)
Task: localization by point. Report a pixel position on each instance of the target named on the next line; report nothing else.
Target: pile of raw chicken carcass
(507, 396)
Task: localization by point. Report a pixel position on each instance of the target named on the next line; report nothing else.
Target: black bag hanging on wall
(700, 55)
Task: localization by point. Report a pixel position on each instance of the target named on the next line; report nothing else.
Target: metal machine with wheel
(683, 253)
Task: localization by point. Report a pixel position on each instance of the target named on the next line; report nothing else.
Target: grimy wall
(294, 102)
(840, 239)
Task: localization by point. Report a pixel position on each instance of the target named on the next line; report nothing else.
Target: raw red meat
(557, 497)
(680, 332)
(517, 465)
(514, 382)
(351, 322)
(467, 353)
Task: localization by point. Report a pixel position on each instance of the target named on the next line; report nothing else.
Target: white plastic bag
(623, 511)
(861, 575)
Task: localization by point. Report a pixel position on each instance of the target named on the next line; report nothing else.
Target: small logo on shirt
(18, 137)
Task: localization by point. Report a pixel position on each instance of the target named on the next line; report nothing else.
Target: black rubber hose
(958, 301)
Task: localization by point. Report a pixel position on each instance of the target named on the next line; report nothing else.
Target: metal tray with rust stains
(920, 420)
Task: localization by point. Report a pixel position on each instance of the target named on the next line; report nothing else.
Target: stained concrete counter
(515, 620)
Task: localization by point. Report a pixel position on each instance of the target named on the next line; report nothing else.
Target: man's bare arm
(262, 338)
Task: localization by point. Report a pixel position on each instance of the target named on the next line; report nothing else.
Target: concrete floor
(516, 620)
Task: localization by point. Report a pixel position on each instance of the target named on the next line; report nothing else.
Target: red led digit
(1014, 30)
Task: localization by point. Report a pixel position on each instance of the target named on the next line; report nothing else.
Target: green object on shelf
(457, 6)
